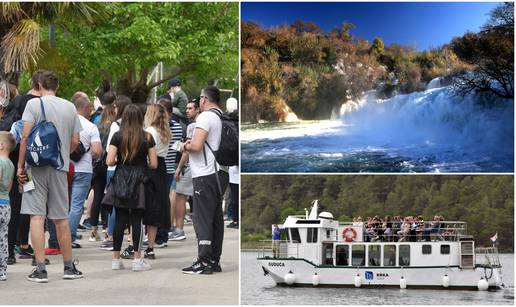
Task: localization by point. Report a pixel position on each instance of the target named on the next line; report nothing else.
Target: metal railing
(445, 231)
(285, 249)
(487, 256)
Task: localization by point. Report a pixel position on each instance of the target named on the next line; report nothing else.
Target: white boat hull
(430, 277)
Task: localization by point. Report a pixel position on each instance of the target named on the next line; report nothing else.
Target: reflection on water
(257, 289)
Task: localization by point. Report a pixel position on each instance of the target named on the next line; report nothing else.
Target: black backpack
(227, 154)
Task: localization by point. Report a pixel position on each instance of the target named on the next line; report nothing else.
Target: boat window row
(377, 255)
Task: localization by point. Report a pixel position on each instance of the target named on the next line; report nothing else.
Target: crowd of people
(398, 228)
(114, 159)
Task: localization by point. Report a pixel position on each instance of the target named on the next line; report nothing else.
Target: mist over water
(430, 131)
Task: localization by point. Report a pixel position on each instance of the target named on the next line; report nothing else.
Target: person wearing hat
(177, 95)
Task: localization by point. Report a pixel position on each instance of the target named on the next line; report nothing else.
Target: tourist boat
(321, 252)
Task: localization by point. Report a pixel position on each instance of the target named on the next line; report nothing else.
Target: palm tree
(20, 28)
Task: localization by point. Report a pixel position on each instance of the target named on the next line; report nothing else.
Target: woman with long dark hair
(129, 150)
(119, 104)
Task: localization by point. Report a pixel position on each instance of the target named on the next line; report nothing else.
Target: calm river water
(257, 289)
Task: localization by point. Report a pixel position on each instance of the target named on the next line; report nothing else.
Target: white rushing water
(433, 130)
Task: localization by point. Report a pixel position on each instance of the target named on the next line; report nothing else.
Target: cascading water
(430, 131)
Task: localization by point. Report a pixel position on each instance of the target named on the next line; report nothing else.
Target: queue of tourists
(58, 155)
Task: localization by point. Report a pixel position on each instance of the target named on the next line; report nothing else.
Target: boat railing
(284, 249)
(426, 231)
(487, 256)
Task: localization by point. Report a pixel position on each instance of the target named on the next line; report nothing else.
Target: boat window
(328, 234)
(358, 255)
(296, 238)
(389, 255)
(374, 255)
(287, 234)
(342, 255)
(311, 235)
(404, 257)
(426, 249)
(445, 249)
(328, 254)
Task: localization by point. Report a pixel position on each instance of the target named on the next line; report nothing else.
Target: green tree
(491, 52)
(378, 47)
(195, 40)
(21, 26)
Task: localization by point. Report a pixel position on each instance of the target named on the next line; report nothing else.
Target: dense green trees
(486, 203)
(124, 41)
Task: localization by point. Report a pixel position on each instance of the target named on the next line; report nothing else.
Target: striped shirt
(177, 134)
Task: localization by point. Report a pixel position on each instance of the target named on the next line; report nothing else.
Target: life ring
(349, 234)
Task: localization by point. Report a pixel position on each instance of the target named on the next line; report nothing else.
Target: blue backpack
(44, 144)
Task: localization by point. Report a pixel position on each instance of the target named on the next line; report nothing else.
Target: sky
(420, 24)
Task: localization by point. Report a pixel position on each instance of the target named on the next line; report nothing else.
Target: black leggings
(123, 219)
(234, 201)
(99, 184)
(18, 231)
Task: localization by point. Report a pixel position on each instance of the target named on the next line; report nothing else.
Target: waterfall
(291, 116)
(434, 83)
(435, 116)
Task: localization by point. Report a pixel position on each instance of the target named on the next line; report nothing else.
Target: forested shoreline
(486, 203)
(300, 67)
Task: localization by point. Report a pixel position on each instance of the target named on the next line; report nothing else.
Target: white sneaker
(141, 265)
(117, 264)
(94, 237)
(3, 277)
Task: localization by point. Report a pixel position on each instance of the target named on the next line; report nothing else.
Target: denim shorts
(171, 181)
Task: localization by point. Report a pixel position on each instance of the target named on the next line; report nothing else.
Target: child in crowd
(7, 144)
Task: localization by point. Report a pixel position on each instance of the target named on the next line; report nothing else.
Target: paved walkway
(164, 284)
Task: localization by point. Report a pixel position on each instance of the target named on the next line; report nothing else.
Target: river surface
(257, 289)
(430, 131)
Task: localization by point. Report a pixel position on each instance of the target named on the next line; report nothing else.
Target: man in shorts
(49, 198)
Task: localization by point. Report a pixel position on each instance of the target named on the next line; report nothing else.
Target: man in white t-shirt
(209, 182)
(90, 139)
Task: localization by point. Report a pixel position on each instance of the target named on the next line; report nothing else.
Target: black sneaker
(36, 276)
(215, 267)
(47, 262)
(26, 253)
(11, 260)
(72, 273)
(128, 253)
(198, 268)
(149, 253)
(76, 245)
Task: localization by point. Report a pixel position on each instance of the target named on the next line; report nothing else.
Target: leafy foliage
(491, 51)
(486, 203)
(197, 41)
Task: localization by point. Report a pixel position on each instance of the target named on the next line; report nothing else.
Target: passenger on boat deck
(434, 227)
(420, 227)
(358, 221)
(405, 229)
(276, 237)
(387, 229)
(396, 224)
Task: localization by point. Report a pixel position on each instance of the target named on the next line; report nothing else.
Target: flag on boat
(495, 237)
